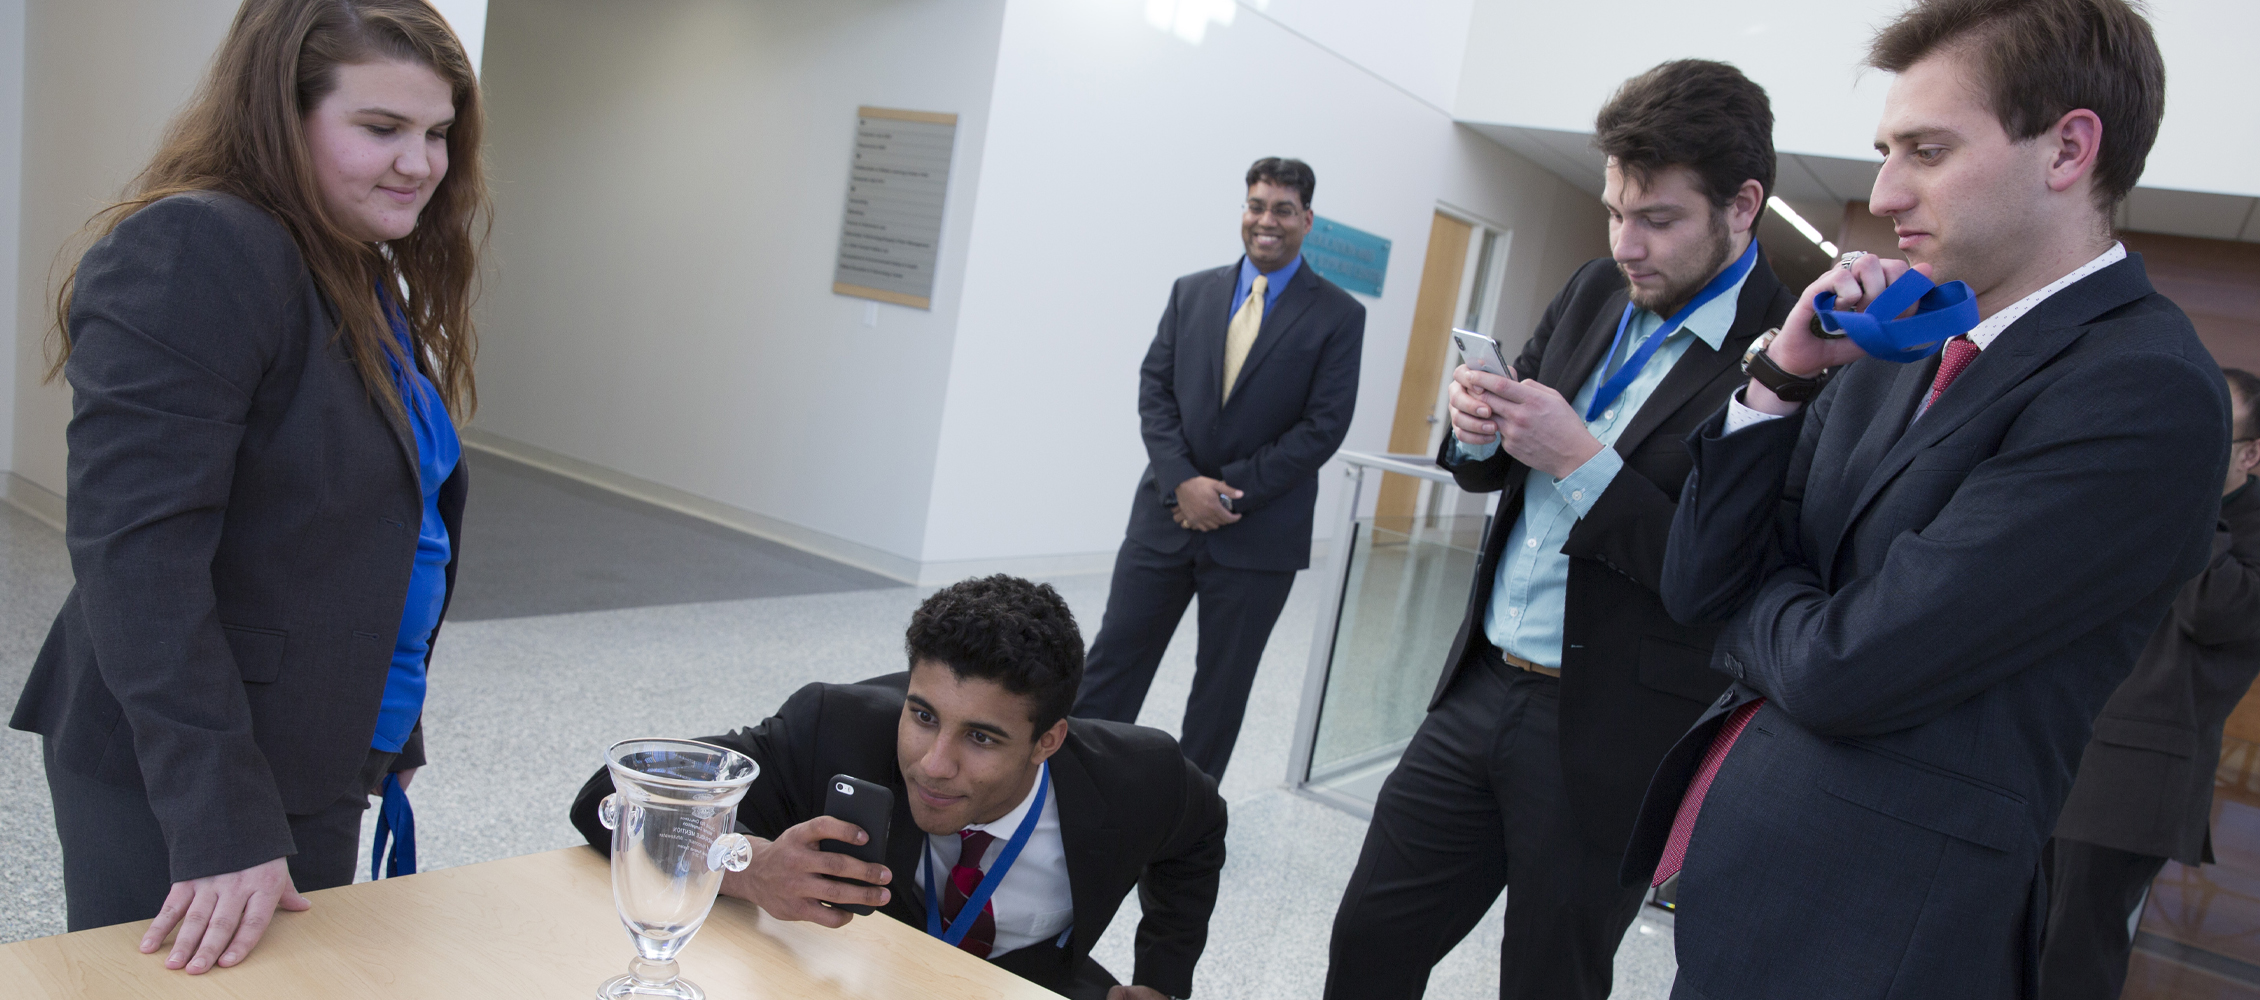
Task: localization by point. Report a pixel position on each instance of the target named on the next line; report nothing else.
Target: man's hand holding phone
(1200, 504)
(787, 876)
(1534, 423)
(1802, 352)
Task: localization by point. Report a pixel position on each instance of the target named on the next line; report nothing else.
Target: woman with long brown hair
(266, 347)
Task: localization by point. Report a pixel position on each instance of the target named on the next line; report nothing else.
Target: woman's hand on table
(216, 912)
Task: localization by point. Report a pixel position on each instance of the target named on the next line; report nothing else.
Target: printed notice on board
(891, 233)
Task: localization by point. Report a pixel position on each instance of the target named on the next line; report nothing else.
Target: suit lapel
(1908, 385)
(1578, 363)
(2032, 341)
(1203, 332)
(1089, 837)
(1302, 290)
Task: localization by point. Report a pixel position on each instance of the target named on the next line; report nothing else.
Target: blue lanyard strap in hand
(394, 820)
(1942, 313)
(1617, 383)
(971, 911)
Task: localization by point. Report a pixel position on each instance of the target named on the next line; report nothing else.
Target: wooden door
(1427, 358)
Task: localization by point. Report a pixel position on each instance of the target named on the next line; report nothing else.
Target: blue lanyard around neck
(1617, 383)
(975, 903)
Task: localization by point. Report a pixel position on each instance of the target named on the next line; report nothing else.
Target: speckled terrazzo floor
(522, 706)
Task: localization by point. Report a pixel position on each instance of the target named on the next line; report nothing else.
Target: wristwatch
(1791, 388)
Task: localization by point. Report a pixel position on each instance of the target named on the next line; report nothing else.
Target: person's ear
(1742, 212)
(1049, 741)
(2074, 144)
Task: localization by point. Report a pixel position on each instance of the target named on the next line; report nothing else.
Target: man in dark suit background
(1933, 575)
(2145, 786)
(1567, 681)
(974, 741)
(1247, 390)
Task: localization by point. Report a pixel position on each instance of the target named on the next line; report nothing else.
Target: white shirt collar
(1982, 335)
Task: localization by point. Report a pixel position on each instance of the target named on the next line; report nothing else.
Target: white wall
(11, 201)
(669, 180)
(101, 78)
(469, 19)
(1114, 165)
(1552, 65)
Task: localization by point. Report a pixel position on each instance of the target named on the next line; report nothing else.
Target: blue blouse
(437, 451)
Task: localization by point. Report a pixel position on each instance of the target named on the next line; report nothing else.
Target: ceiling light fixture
(1789, 215)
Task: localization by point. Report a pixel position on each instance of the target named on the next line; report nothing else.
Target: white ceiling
(1818, 186)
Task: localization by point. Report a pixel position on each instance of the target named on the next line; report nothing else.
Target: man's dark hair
(2038, 60)
(1008, 630)
(1287, 174)
(2246, 425)
(1705, 116)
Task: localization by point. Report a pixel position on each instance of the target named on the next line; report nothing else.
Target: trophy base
(626, 987)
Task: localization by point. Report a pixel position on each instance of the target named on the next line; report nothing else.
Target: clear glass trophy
(673, 813)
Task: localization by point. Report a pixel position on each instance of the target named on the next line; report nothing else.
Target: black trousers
(1149, 595)
(1478, 804)
(115, 866)
(2092, 894)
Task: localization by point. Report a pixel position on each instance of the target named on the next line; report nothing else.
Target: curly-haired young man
(973, 739)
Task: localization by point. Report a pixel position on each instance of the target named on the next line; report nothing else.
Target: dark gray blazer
(242, 521)
(1935, 613)
(1287, 415)
(1632, 678)
(2146, 781)
(1133, 813)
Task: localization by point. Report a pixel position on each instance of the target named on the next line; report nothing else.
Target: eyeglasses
(1283, 211)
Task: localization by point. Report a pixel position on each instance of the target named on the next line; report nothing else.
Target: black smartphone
(866, 805)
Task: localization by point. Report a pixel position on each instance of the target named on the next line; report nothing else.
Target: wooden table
(537, 926)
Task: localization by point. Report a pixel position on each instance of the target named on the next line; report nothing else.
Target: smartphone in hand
(1481, 353)
(867, 805)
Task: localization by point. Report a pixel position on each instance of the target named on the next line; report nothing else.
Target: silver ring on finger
(1846, 260)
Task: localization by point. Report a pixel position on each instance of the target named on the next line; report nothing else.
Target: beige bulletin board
(891, 229)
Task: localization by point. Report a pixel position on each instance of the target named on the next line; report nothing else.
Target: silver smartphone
(1480, 352)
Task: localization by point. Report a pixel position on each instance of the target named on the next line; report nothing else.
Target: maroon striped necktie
(965, 877)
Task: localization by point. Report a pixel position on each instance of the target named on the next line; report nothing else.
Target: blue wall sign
(1352, 258)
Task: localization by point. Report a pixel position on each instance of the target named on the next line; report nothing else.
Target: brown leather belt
(1521, 664)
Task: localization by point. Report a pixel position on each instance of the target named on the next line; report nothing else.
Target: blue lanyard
(979, 900)
(1616, 385)
(1942, 313)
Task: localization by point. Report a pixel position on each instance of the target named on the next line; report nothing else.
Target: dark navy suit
(1935, 613)
(1287, 414)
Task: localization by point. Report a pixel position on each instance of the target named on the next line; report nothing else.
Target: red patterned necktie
(1959, 353)
(964, 878)
(1683, 824)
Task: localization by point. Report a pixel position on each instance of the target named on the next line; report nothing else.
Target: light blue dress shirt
(1525, 616)
(1275, 282)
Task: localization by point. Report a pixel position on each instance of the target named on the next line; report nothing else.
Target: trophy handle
(731, 851)
(608, 811)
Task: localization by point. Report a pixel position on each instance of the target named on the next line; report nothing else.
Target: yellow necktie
(1241, 335)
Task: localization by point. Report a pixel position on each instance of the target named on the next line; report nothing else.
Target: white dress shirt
(1034, 903)
(1739, 416)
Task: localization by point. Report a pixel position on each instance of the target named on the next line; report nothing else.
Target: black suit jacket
(2145, 783)
(1287, 415)
(1132, 811)
(242, 520)
(1935, 613)
(1632, 678)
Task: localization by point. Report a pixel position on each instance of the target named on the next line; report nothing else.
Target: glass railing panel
(1406, 590)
